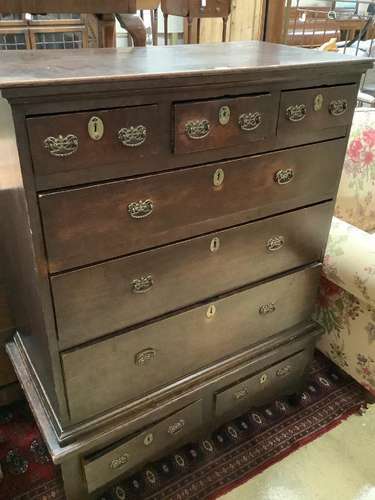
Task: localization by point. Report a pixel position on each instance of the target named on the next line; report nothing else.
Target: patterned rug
(201, 470)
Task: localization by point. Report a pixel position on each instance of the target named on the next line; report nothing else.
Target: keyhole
(215, 244)
(96, 127)
(218, 177)
(211, 311)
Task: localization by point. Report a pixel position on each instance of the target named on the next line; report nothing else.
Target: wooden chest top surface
(41, 68)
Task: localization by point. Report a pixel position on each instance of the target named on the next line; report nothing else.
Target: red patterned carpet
(202, 470)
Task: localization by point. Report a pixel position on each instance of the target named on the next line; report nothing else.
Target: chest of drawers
(166, 211)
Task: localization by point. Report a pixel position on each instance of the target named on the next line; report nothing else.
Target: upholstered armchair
(346, 307)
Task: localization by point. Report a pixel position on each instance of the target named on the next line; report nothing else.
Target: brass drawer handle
(296, 113)
(140, 209)
(197, 129)
(145, 357)
(132, 137)
(275, 243)
(119, 461)
(284, 176)
(143, 284)
(176, 427)
(61, 146)
(338, 107)
(285, 370)
(249, 121)
(240, 394)
(267, 308)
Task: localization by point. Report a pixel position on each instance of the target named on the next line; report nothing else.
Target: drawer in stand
(159, 353)
(170, 432)
(263, 386)
(90, 224)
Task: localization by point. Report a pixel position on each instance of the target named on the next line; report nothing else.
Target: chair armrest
(350, 260)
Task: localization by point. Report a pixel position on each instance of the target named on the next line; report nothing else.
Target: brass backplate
(318, 102)
(218, 177)
(95, 128)
(224, 115)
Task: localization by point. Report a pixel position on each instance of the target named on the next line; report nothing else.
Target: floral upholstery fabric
(346, 305)
(356, 198)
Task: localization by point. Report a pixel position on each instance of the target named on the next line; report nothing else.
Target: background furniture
(99, 21)
(152, 6)
(195, 9)
(347, 299)
(141, 319)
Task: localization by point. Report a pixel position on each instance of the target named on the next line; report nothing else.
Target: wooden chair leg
(154, 17)
(190, 26)
(225, 22)
(135, 27)
(165, 28)
(198, 30)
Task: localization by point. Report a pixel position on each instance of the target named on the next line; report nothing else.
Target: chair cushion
(356, 197)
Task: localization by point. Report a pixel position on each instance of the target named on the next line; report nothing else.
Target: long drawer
(99, 222)
(108, 297)
(183, 342)
(110, 464)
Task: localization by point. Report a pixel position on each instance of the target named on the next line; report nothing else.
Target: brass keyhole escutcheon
(95, 128)
(215, 244)
(218, 177)
(318, 102)
(224, 115)
(263, 378)
(211, 311)
(148, 439)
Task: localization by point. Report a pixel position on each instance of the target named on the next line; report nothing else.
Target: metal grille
(13, 41)
(312, 23)
(10, 17)
(54, 17)
(63, 40)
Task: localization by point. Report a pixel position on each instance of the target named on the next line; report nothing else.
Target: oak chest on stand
(166, 213)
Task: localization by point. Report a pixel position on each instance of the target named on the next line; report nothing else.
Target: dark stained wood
(86, 390)
(92, 153)
(255, 390)
(230, 134)
(184, 342)
(86, 225)
(316, 119)
(274, 17)
(253, 58)
(166, 434)
(98, 300)
(74, 6)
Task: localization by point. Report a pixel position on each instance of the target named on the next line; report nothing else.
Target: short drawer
(108, 297)
(73, 141)
(220, 123)
(109, 464)
(90, 224)
(263, 386)
(161, 352)
(303, 111)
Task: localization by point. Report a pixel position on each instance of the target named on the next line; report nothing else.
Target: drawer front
(60, 143)
(302, 111)
(108, 297)
(221, 123)
(263, 386)
(86, 225)
(161, 352)
(172, 431)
